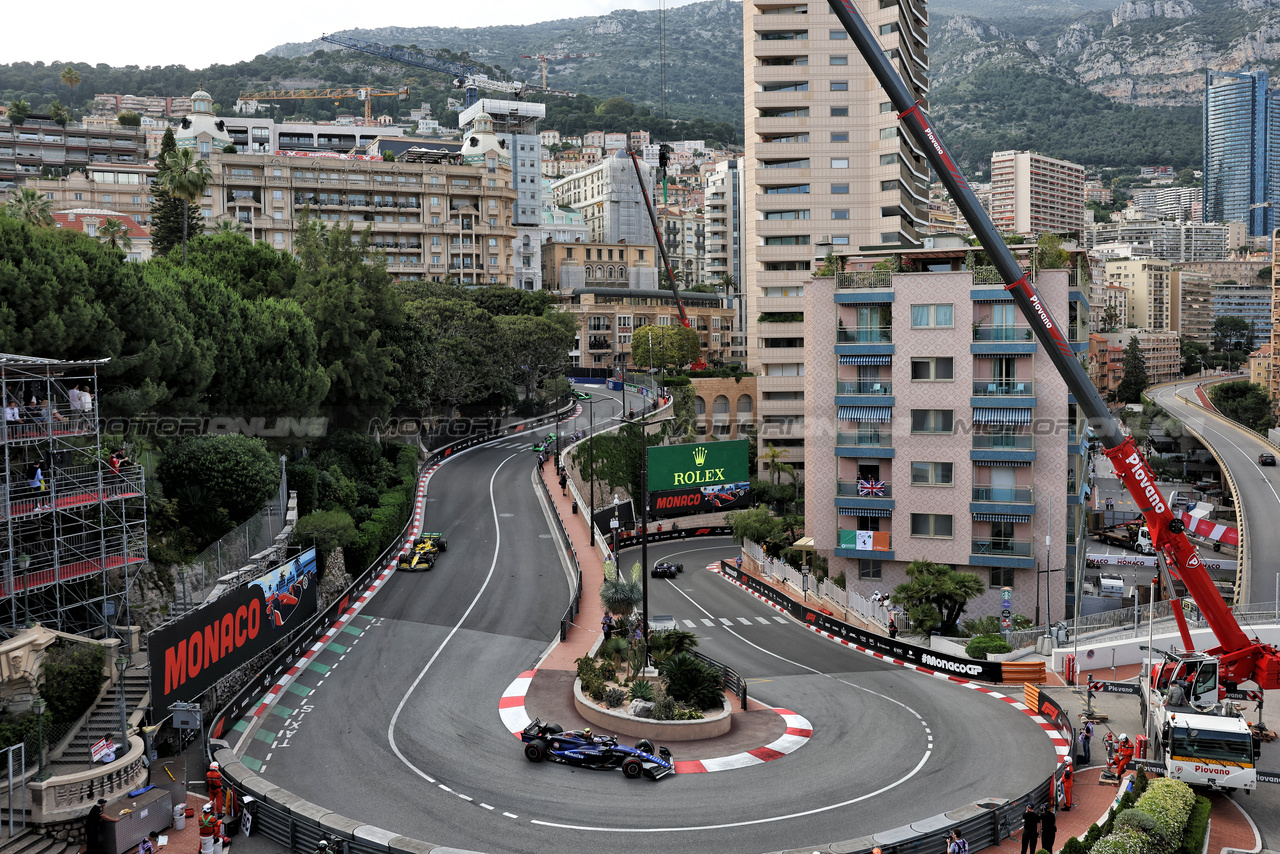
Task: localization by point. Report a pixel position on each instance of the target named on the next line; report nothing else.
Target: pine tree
(1135, 373)
(166, 211)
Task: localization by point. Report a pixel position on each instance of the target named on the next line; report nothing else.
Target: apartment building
(582, 264)
(1161, 351)
(612, 316)
(1259, 366)
(725, 194)
(90, 220)
(1195, 305)
(1250, 300)
(609, 197)
(930, 389)
(431, 214)
(1179, 242)
(1176, 204)
(41, 143)
(1032, 194)
(144, 105)
(685, 239)
(122, 188)
(1150, 298)
(828, 168)
(1106, 365)
(562, 225)
(1241, 124)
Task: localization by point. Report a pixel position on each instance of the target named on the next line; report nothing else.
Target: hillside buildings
(828, 169)
(1241, 122)
(609, 197)
(1179, 242)
(41, 144)
(1032, 194)
(1150, 293)
(725, 202)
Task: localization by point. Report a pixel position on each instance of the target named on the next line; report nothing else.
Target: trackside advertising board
(191, 654)
(985, 671)
(697, 465)
(704, 499)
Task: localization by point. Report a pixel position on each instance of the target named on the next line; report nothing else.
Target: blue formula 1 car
(579, 747)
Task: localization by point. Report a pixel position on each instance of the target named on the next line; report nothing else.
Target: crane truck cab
(1131, 535)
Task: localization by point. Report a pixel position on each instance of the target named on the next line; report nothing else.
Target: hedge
(1169, 802)
(303, 479)
(984, 645)
(1193, 838)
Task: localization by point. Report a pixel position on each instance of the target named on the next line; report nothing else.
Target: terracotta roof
(78, 218)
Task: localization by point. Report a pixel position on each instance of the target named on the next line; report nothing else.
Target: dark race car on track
(602, 752)
(665, 569)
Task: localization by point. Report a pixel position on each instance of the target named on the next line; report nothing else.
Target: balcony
(1003, 442)
(1003, 388)
(1010, 332)
(882, 387)
(864, 440)
(880, 544)
(1001, 547)
(599, 344)
(1004, 494)
(864, 279)
(864, 488)
(865, 335)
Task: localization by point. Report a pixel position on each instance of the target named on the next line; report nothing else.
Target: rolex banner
(705, 499)
(685, 467)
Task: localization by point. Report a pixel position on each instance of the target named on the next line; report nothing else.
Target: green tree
(617, 458)
(756, 524)
(168, 213)
(59, 113)
(129, 119)
(31, 207)
(237, 473)
(72, 78)
(1111, 319)
(327, 530)
(1245, 403)
(1135, 379)
(354, 308)
(536, 347)
(936, 595)
(615, 107)
(19, 110)
(1232, 333)
(449, 355)
(114, 233)
(664, 347)
(252, 269)
(1193, 356)
(183, 176)
(1049, 253)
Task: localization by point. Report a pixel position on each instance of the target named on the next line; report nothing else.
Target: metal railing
(864, 279)
(865, 335)
(1003, 332)
(1003, 442)
(864, 440)
(1013, 388)
(1000, 546)
(1132, 622)
(733, 682)
(1005, 494)
(881, 489)
(864, 387)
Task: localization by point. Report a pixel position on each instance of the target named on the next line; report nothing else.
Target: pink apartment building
(934, 417)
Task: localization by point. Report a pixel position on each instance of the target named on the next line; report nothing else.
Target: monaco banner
(191, 654)
(706, 499)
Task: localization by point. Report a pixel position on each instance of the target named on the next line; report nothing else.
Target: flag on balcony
(871, 487)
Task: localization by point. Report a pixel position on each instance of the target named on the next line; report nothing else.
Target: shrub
(664, 708)
(1092, 835)
(23, 728)
(1169, 803)
(983, 645)
(1140, 781)
(614, 697)
(608, 671)
(597, 690)
(303, 479)
(1135, 819)
(71, 678)
(586, 667)
(684, 713)
(1074, 846)
(642, 689)
(1125, 842)
(237, 472)
(663, 645)
(1197, 827)
(690, 681)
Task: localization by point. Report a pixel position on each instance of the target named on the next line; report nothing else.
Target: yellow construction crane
(364, 93)
(544, 57)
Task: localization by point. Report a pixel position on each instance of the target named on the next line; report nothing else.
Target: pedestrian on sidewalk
(1111, 503)
(1030, 829)
(1086, 736)
(1048, 827)
(564, 480)
(606, 625)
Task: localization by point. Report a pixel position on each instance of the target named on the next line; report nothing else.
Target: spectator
(1030, 829)
(893, 629)
(606, 625)
(11, 413)
(1086, 737)
(50, 413)
(1048, 827)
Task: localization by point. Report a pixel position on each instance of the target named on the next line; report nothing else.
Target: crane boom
(657, 236)
(1240, 658)
(364, 93)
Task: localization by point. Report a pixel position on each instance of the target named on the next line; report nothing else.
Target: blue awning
(1005, 463)
(866, 360)
(1015, 417)
(999, 517)
(880, 414)
(864, 511)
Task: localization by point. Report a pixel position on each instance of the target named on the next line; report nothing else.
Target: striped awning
(866, 360)
(1016, 417)
(999, 517)
(880, 414)
(864, 511)
(1013, 464)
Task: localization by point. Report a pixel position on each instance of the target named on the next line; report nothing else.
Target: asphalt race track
(403, 731)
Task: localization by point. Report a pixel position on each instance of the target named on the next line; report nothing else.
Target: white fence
(867, 609)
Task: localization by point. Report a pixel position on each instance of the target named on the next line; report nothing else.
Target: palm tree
(59, 113)
(114, 232)
(19, 109)
(229, 226)
(31, 207)
(72, 78)
(185, 177)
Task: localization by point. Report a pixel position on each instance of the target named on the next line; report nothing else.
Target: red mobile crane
(1239, 658)
(657, 236)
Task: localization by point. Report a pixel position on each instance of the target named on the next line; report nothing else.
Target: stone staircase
(103, 721)
(27, 841)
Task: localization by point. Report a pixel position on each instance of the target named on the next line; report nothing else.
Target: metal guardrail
(732, 680)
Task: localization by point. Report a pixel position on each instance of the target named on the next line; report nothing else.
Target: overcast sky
(203, 33)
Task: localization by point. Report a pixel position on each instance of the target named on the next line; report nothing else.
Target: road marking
(691, 624)
(510, 815)
(744, 621)
(726, 621)
(764, 620)
(781, 620)
(707, 622)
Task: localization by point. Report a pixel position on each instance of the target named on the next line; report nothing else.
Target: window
(839, 163)
(930, 525)
(840, 137)
(888, 186)
(802, 86)
(888, 159)
(837, 35)
(886, 29)
(839, 111)
(839, 240)
(788, 240)
(786, 215)
(790, 189)
(839, 189)
(839, 85)
(925, 316)
(840, 60)
(931, 421)
(840, 213)
(785, 164)
(1001, 576)
(868, 570)
(931, 474)
(786, 113)
(935, 368)
(888, 133)
(886, 107)
(79, 197)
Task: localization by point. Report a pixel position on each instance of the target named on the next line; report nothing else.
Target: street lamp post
(122, 664)
(38, 706)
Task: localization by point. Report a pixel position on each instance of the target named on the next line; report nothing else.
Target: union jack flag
(871, 487)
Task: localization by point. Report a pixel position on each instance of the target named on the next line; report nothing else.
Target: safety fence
(575, 595)
(733, 681)
(871, 610)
